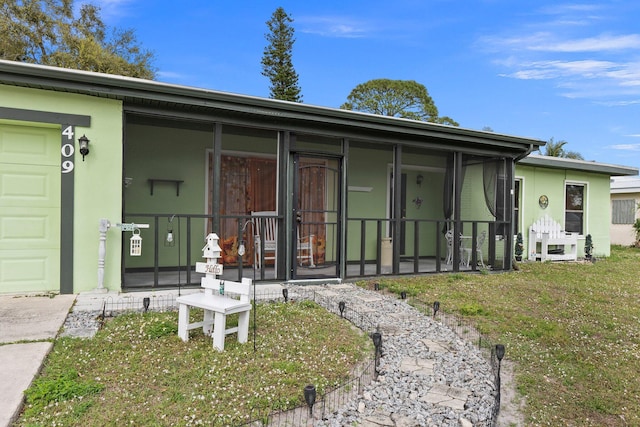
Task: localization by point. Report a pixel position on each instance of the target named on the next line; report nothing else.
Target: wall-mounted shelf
(177, 182)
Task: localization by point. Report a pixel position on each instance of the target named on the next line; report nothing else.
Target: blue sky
(542, 69)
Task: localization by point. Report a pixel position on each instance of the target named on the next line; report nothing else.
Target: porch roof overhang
(578, 165)
(152, 98)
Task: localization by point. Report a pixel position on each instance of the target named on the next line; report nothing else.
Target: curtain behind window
(493, 179)
(249, 184)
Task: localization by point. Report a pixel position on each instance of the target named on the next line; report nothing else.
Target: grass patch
(136, 371)
(573, 330)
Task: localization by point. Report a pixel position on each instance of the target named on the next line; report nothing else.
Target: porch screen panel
(313, 203)
(233, 201)
(262, 189)
(249, 185)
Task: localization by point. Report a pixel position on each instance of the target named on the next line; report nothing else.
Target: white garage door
(29, 208)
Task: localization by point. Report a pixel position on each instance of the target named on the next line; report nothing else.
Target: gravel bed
(399, 396)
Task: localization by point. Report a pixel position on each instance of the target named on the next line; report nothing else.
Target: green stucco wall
(538, 181)
(98, 180)
(369, 170)
(172, 154)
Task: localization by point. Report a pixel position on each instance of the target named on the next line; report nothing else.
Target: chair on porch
(265, 226)
(449, 238)
(305, 247)
(478, 248)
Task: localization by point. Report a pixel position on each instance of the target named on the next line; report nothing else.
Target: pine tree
(276, 61)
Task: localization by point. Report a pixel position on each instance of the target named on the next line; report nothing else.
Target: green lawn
(136, 371)
(573, 329)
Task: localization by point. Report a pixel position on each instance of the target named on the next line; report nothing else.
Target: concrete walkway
(30, 323)
(28, 326)
(440, 395)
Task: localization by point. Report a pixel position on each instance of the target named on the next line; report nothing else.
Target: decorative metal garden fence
(318, 406)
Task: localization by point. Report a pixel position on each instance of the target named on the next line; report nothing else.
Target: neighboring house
(350, 195)
(625, 204)
(574, 193)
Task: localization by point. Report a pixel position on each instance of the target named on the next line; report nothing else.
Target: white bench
(546, 232)
(216, 309)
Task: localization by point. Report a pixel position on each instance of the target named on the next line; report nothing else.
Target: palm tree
(556, 149)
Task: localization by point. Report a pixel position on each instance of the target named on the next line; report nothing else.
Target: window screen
(574, 208)
(623, 211)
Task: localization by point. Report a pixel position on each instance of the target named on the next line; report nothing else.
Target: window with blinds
(623, 211)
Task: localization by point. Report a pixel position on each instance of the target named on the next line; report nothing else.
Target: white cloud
(546, 41)
(620, 103)
(588, 61)
(557, 69)
(626, 147)
(333, 26)
(601, 43)
(171, 76)
(562, 9)
(110, 9)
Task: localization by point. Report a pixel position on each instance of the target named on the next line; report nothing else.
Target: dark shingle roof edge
(131, 89)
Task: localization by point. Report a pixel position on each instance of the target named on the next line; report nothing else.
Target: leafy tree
(398, 98)
(47, 32)
(556, 149)
(276, 60)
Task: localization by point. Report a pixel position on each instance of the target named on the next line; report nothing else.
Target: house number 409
(67, 150)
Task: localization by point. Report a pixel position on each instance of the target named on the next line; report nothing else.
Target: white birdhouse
(211, 249)
(135, 243)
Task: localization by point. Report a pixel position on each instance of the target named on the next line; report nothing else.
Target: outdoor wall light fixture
(499, 356)
(499, 352)
(84, 146)
(169, 240)
(135, 243)
(310, 397)
(419, 180)
(241, 248)
(377, 340)
(377, 343)
(341, 306)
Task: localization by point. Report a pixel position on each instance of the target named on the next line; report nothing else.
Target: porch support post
(342, 224)
(457, 226)
(215, 183)
(397, 208)
(284, 204)
(510, 206)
